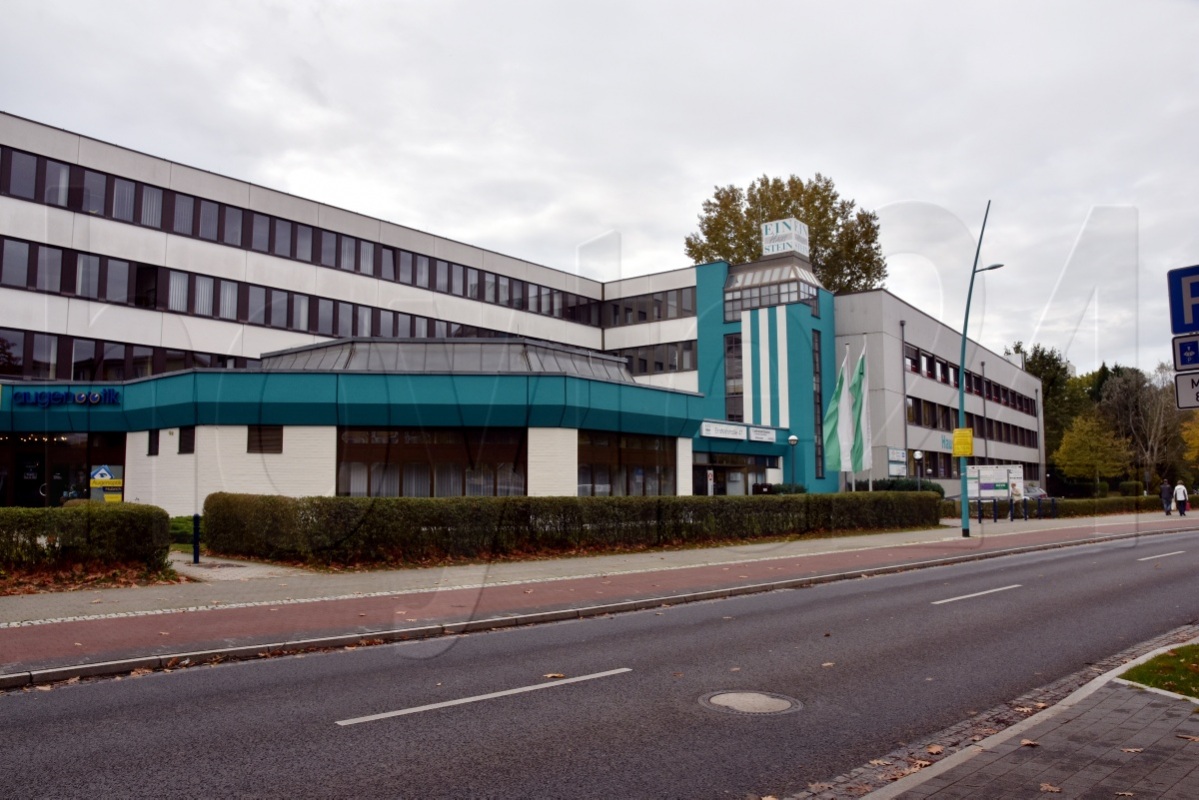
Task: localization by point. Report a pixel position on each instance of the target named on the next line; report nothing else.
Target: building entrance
(49, 469)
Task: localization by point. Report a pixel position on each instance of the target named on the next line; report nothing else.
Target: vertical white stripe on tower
(764, 344)
(747, 366)
(784, 370)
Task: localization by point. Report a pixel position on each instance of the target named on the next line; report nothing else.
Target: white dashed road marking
(477, 698)
(1163, 555)
(976, 594)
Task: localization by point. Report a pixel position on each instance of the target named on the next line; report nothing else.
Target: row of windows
(943, 465)
(933, 415)
(46, 356)
(924, 363)
(652, 359)
(778, 294)
(267, 439)
(413, 462)
(43, 268)
(43, 180)
(652, 307)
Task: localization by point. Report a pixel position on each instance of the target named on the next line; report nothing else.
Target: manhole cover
(750, 702)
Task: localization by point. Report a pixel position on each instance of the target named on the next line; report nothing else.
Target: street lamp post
(918, 456)
(792, 440)
(965, 502)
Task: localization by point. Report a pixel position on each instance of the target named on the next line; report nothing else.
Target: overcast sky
(555, 131)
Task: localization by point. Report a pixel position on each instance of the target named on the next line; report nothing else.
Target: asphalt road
(875, 662)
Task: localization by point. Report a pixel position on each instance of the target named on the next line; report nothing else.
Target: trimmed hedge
(85, 533)
(415, 530)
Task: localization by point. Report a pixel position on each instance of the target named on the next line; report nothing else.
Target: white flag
(859, 390)
(838, 424)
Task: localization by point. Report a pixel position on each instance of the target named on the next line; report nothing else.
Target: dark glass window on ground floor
(620, 464)
(48, 469)
(431, 462)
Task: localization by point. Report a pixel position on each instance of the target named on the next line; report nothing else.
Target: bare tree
(1141, 409)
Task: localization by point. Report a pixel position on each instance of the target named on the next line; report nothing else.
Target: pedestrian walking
(1180, 498)
(1167, 496)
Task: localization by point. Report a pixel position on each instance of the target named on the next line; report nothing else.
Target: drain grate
(754, 703)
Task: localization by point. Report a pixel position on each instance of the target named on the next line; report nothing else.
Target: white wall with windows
(306, 465)
(914, 373)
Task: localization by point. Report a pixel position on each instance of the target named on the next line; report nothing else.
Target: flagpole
(847, 453)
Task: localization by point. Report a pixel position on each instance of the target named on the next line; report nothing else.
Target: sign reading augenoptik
(45, 398)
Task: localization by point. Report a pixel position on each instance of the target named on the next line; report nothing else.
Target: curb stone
(23, 679)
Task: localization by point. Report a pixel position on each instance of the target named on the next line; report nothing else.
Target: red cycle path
(81, 642)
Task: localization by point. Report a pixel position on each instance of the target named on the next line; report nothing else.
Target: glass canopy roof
(450, 356)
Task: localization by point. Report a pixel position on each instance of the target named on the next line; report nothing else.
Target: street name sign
(1186, 390)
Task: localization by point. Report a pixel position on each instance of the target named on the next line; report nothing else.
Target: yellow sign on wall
(963, 442)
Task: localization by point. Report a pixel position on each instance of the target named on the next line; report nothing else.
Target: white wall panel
(307, 466)
(280, 273)
(205, 258)
(37, 223)
(680, 381)
(684, 462)
(167, 480)
(645, 284)
(36, 138)
(553, 462)
(287, 206)
(403, 238)
(209, 185)
(340, 285)
(349, 223)
(119, 240)
(671, 330)
(256, 340)
(181, 332)
(130, 164)
(95, 320)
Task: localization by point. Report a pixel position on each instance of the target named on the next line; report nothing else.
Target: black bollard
(195, 538)
(1026, 509)
(994, 509)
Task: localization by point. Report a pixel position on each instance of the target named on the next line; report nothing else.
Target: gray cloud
(533, 128)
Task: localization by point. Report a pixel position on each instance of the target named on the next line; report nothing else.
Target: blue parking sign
(1183, 284)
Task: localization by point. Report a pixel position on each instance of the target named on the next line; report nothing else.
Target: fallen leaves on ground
(879, 762)
(1132, 749)
(1050, 788)
(1188, 738)
(1029, 743)
(77, 577)
(1125, 794)
(553, 675)
(1024, 709)
(935, 749)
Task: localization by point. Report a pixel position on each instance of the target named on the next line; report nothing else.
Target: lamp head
(793, 440)
(990, 267)
(918, 455)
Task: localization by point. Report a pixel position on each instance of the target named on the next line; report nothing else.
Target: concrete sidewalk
(241, 609)
(1111, 738)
